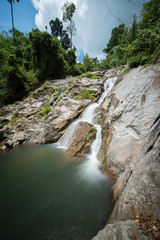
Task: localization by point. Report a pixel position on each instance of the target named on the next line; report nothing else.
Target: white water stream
(89, 169)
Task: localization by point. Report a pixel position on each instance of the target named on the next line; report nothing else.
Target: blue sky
(94, 19)
(24, 15)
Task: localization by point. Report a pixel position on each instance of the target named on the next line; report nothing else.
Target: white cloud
(82, 10)
(93, 21)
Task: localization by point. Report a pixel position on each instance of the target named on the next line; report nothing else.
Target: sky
(94, 19)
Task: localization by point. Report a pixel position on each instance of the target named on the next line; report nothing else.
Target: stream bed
(45, 196)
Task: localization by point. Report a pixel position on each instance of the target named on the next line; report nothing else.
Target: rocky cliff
(45, 114)
(130, 117)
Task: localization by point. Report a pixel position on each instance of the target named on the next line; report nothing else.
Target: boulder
(124, 230)
(78, 138)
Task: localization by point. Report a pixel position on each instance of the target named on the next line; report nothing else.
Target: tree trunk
(71, 32)
(12, 20)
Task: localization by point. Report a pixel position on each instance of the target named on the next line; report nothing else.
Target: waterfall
(89, 168)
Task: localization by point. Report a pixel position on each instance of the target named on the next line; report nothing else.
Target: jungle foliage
(138, 44)
(30, 59)
(26, 61)
(33, 58)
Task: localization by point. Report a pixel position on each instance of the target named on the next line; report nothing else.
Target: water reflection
(43, 196)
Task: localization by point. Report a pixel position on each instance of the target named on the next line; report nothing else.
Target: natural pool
(44, 196)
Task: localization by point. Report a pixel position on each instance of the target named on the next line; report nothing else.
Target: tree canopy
(33, 58)
(68, 11)
(56, 27)
(138, 44)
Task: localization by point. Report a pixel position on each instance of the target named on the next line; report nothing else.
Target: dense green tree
(16, 83)
(150, 14)
(138, 44)
(57, 31)
(88, 63)
(47, 55)
(29, 61)
(95, 63)
(56, 27)
(134, 28)
(116, 37)
(68, 11)
(79, 68)
(15, 78)
(71, 61)
(65, 40)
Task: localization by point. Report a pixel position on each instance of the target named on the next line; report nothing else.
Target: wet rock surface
(45, 114)
(82, 138)
(127, 114)
(130, 117)
(125, 230)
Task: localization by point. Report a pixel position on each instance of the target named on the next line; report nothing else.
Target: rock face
(121, 231)
(127, 114)
(130, 117)
(82, 138)
(138, 188)
(45, 115)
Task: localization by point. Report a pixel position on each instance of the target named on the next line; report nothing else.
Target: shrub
(87, 75)
(87, 94)
(13, 120)
(44, 111)
(96, 77)
(127, 70)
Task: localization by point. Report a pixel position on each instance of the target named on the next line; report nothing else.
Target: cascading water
(45, 197)
(89, 168)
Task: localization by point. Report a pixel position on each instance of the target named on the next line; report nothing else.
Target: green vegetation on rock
(90, 75)
(127, 70)
(13, 120)
(44, 111)
(49, 115)
(87, 94)
(87, 75)
(96, 77)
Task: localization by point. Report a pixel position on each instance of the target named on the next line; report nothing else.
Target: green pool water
(43, 196)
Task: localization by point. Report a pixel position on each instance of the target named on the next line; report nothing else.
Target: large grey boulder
(78, 139)
(124, 230)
